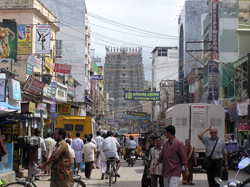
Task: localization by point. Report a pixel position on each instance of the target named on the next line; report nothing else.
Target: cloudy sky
(133, 23)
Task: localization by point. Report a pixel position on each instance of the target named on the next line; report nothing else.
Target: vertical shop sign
(29, 69)
(24, 42)
(215, 27)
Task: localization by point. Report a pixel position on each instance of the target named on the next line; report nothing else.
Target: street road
(131, 177)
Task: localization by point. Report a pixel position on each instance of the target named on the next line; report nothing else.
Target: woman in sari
(191, 162)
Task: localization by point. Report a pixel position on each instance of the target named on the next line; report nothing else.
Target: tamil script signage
(33, 86)
(142, 96)
(96, 77)
(62, 68)
(136, 113)
(213, 78)
(32, 60)
(32, 107)
(215, 26)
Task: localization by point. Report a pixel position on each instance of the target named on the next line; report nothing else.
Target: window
(162, 52)
(68, 127)
(79, 128)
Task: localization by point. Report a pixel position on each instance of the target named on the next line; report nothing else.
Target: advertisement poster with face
(8, 40)
(24, 39)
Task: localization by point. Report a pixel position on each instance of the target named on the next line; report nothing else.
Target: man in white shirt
(88, 152)
(77, 145)
(99, 141)
(109, 147)
(103, 159)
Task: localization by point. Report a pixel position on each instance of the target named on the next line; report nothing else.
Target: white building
(164, 67)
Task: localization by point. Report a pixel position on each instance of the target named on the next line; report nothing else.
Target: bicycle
(30, 183)
(111, 171)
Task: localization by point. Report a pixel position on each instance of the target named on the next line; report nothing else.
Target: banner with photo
(42, 39)
(24, 42)
(8, 47)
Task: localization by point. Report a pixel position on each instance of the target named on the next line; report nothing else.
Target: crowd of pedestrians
(168, 158)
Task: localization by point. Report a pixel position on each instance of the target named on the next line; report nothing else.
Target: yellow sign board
(49, 64)
(24, 39)
(32, 107)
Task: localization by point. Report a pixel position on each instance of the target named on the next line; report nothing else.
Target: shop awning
(7, 109)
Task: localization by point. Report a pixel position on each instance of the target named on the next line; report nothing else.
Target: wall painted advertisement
(24, 39)
(42, 39)
(8, 39)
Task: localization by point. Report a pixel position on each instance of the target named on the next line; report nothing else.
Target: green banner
(142, 96)
(96, 69)
(29, 69)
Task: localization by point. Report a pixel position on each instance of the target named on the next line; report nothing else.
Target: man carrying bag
(215, 147)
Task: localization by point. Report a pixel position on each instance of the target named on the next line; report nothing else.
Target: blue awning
(6, 108)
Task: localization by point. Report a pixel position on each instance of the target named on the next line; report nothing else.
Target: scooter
(233, 182)
(132, 157)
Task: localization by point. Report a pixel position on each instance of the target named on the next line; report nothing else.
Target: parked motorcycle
(235, 157)
(132, 158)
(234, 182)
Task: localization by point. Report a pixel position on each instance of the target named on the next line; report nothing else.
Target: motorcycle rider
(130, 145)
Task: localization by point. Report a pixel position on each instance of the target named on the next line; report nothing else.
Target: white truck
(190, 119)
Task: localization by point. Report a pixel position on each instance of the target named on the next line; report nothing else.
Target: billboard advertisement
(8, 47)
(24, 39)
(42, 39)
(142, 96)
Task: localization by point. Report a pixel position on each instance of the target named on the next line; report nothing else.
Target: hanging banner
(49, 63)
(42, 39)
(232, 114)
(58, 48)
(24, 39)
(32, 60)
(142, 96)
(96, 77)
(242, 108)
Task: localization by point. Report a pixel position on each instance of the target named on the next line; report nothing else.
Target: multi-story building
(221, 51)
(190, 30)
(164, 67)
(123, 70)
(75, 48)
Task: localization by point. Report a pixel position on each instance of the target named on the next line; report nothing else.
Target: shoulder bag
(208, 160)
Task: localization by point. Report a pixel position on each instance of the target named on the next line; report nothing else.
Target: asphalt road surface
(131, 177)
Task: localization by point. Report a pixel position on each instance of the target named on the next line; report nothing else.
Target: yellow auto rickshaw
(137, 139)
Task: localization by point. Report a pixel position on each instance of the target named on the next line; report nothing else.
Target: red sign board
(243, 127)
(62, 68)
(33, 86)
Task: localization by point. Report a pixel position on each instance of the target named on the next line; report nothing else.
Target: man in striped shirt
(152, 158)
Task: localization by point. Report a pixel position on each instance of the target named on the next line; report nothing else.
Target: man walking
(215, 146)
(61, 168)
(77, 145)
(69, 138)
(49, 142)
(152, 159)
(99, 141)
(172, 157)
(88, 152)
